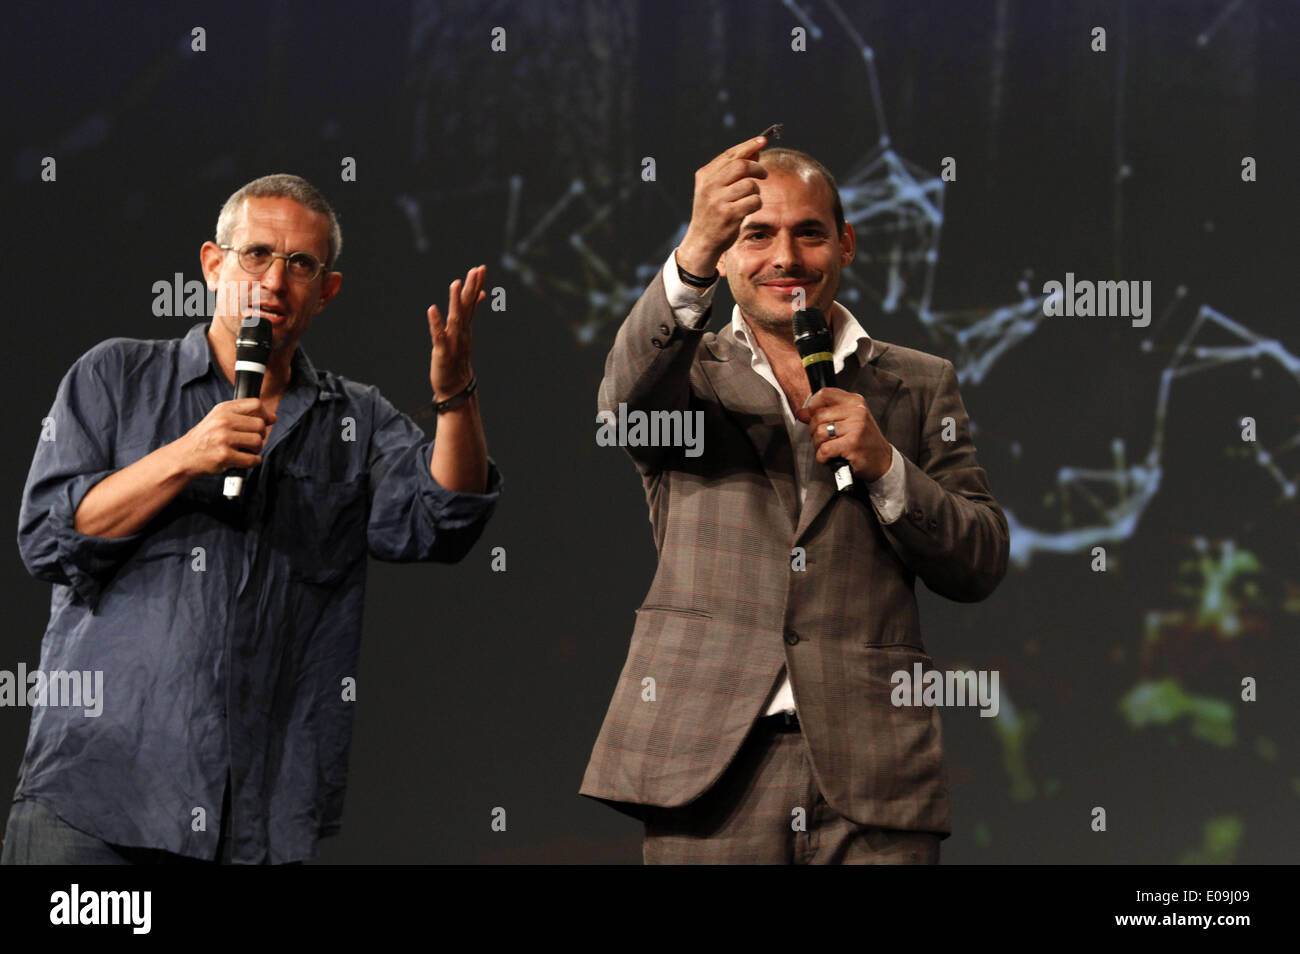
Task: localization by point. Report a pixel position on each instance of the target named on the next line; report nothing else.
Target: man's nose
(783, 250)
(275, 277)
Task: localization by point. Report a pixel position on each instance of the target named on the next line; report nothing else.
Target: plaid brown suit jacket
(727, 609)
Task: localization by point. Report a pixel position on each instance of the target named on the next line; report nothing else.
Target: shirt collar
(847, 333)
(196, 358)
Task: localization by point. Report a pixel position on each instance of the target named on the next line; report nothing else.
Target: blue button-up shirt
(227, 633)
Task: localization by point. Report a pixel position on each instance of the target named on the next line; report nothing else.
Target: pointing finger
(749, 147)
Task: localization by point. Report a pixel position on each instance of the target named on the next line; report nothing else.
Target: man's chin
(771, 319)
(281, 335)
(281, 339)
(780, 316)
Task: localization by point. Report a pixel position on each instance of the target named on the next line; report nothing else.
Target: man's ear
(722, 265)
(848, 245)
(329, 289)
(210, 255)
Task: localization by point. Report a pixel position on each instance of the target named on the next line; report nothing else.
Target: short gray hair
(282, 186)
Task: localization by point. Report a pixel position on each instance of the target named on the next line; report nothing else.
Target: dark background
(479, 689)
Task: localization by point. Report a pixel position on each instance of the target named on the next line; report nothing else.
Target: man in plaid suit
(753, 720)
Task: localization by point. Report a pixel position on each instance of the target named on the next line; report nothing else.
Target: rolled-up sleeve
(412, 516)
(72, 456)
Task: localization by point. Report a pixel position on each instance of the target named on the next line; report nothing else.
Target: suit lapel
(878, 387)
(754, 405)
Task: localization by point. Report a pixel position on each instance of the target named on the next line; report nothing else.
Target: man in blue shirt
(227, 632)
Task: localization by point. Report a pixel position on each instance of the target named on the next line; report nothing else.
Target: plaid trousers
(766, 809)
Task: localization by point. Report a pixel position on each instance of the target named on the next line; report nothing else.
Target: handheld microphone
(252, 351)
(812, 336)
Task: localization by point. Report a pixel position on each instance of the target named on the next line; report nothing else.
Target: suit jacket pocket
(675, 611)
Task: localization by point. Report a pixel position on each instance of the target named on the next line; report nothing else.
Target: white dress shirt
(689, 305)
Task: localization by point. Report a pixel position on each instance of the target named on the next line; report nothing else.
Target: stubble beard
(772, 324)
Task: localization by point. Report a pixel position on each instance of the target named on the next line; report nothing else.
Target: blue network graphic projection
(1175, 645)
(896, 207)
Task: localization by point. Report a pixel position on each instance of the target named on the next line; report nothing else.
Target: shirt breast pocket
(319, 526)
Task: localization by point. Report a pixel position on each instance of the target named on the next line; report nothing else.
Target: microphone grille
(809, 321)
(254, 342)
(811, 330)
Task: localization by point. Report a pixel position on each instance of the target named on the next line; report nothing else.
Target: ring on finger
(830, 430)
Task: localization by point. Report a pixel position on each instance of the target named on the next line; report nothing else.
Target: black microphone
(252, 351)
(812, 336)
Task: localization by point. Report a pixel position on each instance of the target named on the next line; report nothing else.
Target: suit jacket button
(933, 523)
(791, 637)
(917, 516)
(656, 342)
(664, 329)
